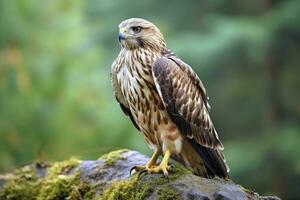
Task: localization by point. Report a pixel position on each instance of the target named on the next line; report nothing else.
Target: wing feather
(186, 100)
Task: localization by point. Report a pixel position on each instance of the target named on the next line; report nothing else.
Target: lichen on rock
(138, 189)
(128, 189)
(168, 193)
(22, 184)
(113, 156)
(108, 178)
(34, 182)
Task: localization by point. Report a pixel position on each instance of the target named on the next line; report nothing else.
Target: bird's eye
(136, 29)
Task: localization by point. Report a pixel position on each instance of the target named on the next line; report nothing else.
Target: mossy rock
(108, 178)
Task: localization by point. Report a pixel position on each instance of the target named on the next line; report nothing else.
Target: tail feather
(213, 159)
(190, 158)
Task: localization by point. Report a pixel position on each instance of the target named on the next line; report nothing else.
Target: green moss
(174, 174)
(63, 167)
(60, 183)
(168, 193)
(80, 190)
(127, 190)
(89, 191)
(60, 187)
(112, 157)
(140, 189)
(22, 184)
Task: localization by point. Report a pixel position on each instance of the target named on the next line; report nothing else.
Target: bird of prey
(166, 101)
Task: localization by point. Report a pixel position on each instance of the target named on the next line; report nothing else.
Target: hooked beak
(121, 37)
(122, 34)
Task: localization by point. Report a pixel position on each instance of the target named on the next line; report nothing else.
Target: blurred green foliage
(56, 100)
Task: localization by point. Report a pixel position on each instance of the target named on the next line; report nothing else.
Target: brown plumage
(166, 101)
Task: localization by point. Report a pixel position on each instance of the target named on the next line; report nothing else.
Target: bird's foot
(138, 169)
(151, 167)
(151, 164)
(162, 168)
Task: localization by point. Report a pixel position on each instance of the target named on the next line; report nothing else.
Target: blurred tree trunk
(275, 110)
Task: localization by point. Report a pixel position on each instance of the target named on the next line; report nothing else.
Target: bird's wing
(119, 95)
(186, 100)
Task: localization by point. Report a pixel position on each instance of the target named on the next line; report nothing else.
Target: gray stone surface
(181, 184)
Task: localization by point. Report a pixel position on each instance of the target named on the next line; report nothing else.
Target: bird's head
(139, 33)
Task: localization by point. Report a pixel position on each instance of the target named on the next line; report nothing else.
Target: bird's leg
(153, 159)
(150, 164)
(162, 167)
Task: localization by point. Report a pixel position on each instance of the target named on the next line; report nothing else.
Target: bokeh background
(56, 99)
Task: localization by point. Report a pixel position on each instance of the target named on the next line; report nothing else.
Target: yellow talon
(151, 163)
(162, 167)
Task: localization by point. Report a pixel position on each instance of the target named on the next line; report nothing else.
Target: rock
(195, 194)
(230, 192)
(109, 178)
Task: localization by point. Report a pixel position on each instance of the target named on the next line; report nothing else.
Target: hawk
(166, 101)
